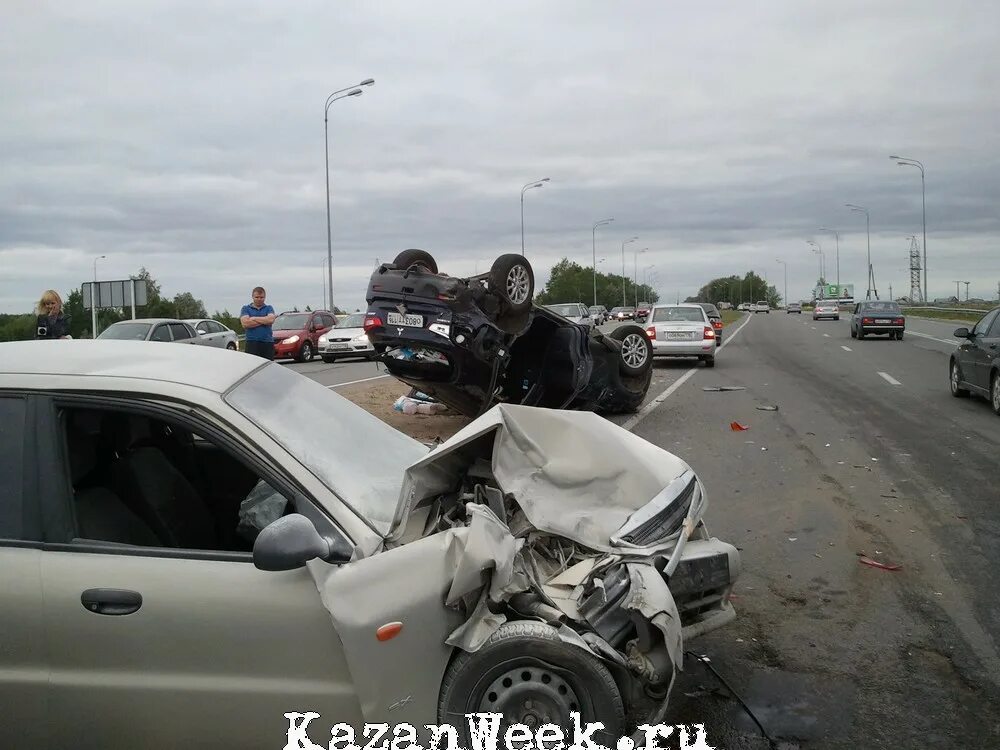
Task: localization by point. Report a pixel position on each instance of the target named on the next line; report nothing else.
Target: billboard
(833, 291)
(114, 293)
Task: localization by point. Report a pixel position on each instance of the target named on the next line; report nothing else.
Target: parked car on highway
(762, 307)
(623, 313)
(151, 329)
(715, 317)
(975, 365)
(875, 317)
(600, 314)
(826, 309)
(794, 307)
(296, 334)
(346, 339)
(232, 540)
(213, 333)
(472, 342)
(575, 312)
(682, 331)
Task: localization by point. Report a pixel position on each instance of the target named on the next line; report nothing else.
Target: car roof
(206, 367)
(680, 304)
(150, 320)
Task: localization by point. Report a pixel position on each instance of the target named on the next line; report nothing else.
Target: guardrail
(980, 310)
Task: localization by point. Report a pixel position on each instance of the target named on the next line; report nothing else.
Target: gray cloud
(188, 138)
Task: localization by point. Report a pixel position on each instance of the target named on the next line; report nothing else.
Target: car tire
(416, 260)
(995, 393)
(837, 318)
(637, 350)
(955, 380)
(710, 361)
(854, 334)
(899, 336)
(513, 281)
(528, 661)
(306, 352)
(329, 360)
(231, 346)
(861, 333)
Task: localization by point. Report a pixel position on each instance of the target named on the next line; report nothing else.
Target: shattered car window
(678, 314)
(358, 456)
(567, 311)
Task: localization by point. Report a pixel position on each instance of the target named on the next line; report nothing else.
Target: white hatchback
(682, 331)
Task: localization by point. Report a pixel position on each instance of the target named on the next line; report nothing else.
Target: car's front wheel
(329, 360)
(306, 352)
(529, 675)
(637, 350)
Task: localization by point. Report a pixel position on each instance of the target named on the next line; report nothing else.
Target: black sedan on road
(975, 365)
(477, 341)
(877, 317)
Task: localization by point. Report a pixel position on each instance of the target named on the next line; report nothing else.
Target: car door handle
(111, 601)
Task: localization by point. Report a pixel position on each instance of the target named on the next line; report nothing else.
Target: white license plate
(884, 322)
(339, 347)
(678, 335)
(413, 321)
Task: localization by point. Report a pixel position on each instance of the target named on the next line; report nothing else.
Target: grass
(731, 316)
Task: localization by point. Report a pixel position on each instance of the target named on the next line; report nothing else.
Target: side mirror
(202, 333)
(289, 543)
(962, 333)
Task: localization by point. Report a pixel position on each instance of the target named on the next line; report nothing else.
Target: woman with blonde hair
(51, 322)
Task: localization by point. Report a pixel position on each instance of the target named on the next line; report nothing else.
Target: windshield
(286, 322)
(357, 455)
(567, 311)
(125, 332)
(356, 320)
(678, 314)
(882, 307)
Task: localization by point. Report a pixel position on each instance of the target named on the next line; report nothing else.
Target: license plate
(678, 335)
(884, 322)
(339, 347)
(413, 321)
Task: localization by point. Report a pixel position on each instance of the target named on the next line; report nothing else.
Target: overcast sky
(187, 137)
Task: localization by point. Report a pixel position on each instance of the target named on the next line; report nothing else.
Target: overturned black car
(478, 341)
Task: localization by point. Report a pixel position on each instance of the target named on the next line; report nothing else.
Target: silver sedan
(213, 333)
(682, 331)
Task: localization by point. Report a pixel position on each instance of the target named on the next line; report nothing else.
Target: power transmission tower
(916, 291)
(966, 289)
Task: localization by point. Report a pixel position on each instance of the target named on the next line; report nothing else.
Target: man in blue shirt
(256, 320)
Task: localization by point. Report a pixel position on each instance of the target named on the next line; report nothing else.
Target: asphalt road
(831, 653)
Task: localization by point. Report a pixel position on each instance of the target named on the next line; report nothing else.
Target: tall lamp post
(904, 162)
(93, 300)
(635, 273)
(624, 277)
(339, 94)
(818, 249)
(593, 239)
(837, 235)
(868, 232)
(783, 263)
(529, 186)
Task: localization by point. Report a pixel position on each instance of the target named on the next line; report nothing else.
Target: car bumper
(825, 315)
(876, 329)
(346, 349)
(283, 351)
(697, 348)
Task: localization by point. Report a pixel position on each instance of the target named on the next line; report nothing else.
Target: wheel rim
(307, 352)
(954, 377)
(531, 695)
(517, 284)
(634, 350)
(996, 393)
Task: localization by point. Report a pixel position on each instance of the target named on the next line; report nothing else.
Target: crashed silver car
(195, 544)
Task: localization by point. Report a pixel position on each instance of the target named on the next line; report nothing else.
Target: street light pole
(624, 277)
(837, 235)
(339, 94)
(868, 233)
(93, 300)
(635, 273)
(593, 240)
(819, 249)
(904, 162)
(783, 263)
(529, 186)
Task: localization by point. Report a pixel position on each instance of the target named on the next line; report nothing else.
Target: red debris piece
(877, 564)
(737, 427)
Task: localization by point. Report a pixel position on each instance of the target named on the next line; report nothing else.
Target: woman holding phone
(51, 322)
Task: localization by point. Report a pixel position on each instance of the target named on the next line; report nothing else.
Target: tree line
(571, 282)
(736, 289)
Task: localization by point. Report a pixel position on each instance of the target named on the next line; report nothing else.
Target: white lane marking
(363, 380)
(826, 335)
(889, 378)
(911, 332)
(648, 408)
(814, 328)
(846, 348)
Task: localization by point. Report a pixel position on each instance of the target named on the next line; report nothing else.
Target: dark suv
(296, 334)
(473, 342)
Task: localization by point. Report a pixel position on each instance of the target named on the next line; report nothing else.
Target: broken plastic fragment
(881, 566)
(767, 408)
(724, 388)
(737, 427)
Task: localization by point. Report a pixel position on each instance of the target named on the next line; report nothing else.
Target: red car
(642, 311)
(296, 334)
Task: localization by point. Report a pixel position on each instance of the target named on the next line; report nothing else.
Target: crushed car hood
(574, 474)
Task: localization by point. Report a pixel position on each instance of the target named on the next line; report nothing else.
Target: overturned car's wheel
(512, 279)
(529, 675)
(413, 260)
(637, 350)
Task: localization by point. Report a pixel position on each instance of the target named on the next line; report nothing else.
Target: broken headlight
(662, 516)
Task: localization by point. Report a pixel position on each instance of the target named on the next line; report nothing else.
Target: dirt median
(377, 398)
